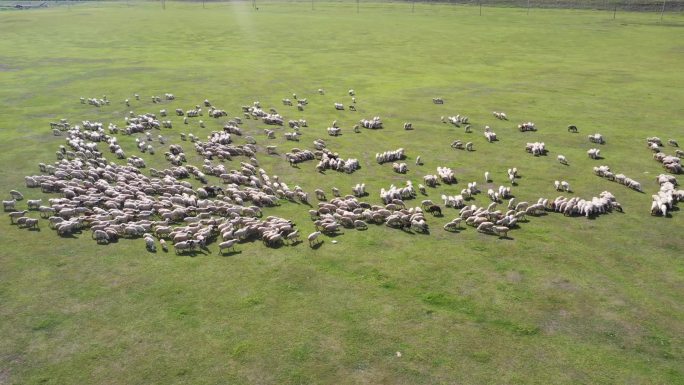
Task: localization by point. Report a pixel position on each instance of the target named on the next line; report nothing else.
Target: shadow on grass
(317, 245)
(230, 253)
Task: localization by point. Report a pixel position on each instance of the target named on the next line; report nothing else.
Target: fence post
(357, 6)
(662, 11)
(528, 7)
(614, 10)
(480, 7)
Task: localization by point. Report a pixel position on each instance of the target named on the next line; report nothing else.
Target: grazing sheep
(562, 160)
(437, 100)
(469, 146)
(527, 126)
(501, 231)
(339, 106)
(434, 210)
(594, 153)
(672, 143)
(487, 177)
(596, 138)
(418, 161)
(101, 236)
(149, 244)
(453, 225)
(500, 115)
(573, 129)
(565, 186)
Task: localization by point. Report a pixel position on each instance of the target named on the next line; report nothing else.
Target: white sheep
(313, 238)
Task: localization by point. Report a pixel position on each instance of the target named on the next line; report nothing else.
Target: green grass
(567, 300)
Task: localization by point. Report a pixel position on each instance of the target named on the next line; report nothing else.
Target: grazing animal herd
(115, 201)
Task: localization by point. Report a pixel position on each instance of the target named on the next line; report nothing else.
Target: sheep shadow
(317, 245)
(229, 253)
(34, 229)
(191, 254)
(275, 246)
(506, 238)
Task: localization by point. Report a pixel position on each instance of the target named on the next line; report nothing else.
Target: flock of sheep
(115, 201)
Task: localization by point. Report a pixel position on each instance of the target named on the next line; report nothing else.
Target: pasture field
(565, 300)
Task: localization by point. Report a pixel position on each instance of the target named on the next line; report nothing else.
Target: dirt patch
(563, 284)
(514, 277)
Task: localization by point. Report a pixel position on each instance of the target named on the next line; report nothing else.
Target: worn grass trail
(566, 300)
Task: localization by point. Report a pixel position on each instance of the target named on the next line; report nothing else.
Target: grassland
(567, 300)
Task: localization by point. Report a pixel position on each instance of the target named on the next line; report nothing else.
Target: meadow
(565, 300)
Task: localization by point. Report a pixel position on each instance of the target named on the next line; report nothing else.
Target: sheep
(339, 106)
(557, 185)
(229, 244)
(359, 190)
(437, 100)
(536, 148)
(487, 177)
(457, 145)
(469, 146)
(313, 238)
(594, 153)
(453, 225)
(16, 195)
(435, 210)
(500, 115)
(101, 236)
(408, 126)
(527, 126)
(573, 129)
(501, 231)
(351, 92)
(183, 246)
(16, 214)
(596, 138)
(672, 143)
(34, 204)
(9, 205)
(565, 186)
(320, 194)
(149, 244)
(375, 123)
(562, 159)
(418, 161)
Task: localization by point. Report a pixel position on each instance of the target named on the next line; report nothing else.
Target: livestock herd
(113, 201)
